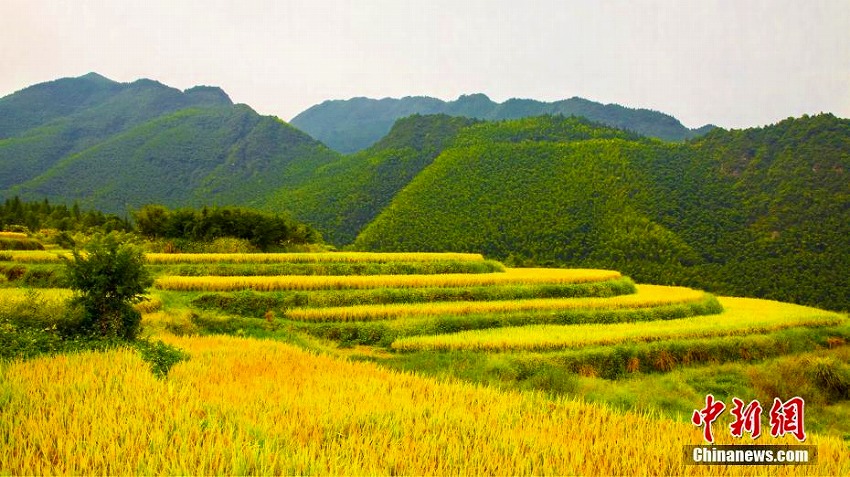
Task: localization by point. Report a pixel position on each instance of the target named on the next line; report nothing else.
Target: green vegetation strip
(647, 296)
(613, 362)
(34, 275)
(742, 317)
(250, 303)
(328, 268)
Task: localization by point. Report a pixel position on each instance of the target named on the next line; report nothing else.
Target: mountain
(762, 212)
(352, 125)
(345, 195)
(116, 145)
(759, 212)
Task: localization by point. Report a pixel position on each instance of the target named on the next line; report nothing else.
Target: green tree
(109, 277)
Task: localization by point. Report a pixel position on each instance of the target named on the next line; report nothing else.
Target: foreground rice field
(248, 406)
(243, 406)
(520, 276)
(742, 317)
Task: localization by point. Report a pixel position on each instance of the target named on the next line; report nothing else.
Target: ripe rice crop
(746, 316)
(646, 296)
(525, 276)
(327, 268)
(241, 407)
(33, 256)
(324, 257)
(12, 296)
(13, 235)
(251, 303)
(612, 362)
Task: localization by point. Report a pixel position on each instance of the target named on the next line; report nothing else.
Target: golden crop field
(324, 257)
(523, 276)
(35, 256)
(741, 316)
(13, 235)
(12, 296)
(242, 406)
(646, 296)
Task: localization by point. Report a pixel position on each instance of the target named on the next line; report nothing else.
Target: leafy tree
(109, 276)
(262, 229)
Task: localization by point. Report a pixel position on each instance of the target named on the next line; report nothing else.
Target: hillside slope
(343, 196)
(355, 124)
(761, 212)
(111, 146)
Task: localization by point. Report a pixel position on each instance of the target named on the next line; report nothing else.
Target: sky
(733, 63)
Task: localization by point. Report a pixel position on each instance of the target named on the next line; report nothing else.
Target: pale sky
(734, 63)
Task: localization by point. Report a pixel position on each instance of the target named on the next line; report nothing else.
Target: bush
(109, 277)
(161, 356)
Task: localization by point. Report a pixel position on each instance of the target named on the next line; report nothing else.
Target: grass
(742, 317)
(241, 406)
(646, 296)
(517, 276)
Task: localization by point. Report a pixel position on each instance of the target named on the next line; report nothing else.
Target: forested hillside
(115, 146)
(355, 124)
(343, 196)
(762, 212)
(759, 212)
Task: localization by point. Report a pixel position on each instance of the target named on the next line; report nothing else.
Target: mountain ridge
(116, 145)
(355, 124)
(759, 212)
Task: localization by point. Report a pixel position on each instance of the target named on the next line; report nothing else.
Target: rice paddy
(646, 296)
(324, 257)
(737, 320)
(242, 406)
(519, 276)
(259, 406)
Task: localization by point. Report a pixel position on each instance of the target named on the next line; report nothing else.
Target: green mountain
(758, 212)
(116, 145)
(343, 196)
(762, 212)
(352, 125)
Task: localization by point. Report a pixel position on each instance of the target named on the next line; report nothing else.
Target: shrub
(161, 356)
(109, 277)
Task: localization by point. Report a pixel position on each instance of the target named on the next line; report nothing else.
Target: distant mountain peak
(92, 76)
(210, 94)
(355, 124)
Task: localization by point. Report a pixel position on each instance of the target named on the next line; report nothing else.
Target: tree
(109, 277)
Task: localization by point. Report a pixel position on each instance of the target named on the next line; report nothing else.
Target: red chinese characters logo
(787, 418)
(784, 417)
(746, 418)
(707, 415)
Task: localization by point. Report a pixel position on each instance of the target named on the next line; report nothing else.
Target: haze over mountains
(355, 124)
(761, 212)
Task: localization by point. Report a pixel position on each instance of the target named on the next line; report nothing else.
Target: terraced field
(557, 333)
(557, 337)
